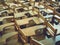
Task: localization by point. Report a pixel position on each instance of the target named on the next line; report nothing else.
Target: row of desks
(47, 41)
(30, 30)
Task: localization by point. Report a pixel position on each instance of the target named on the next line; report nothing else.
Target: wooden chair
(8, 19)
(42, 42)
(8, 29)
(4, 13)
(5, 25)
(6, 37)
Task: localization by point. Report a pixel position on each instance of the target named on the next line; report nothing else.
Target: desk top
(31, 30)
(10, 11)
(25, 8)
(1, 18)
(26, 3)
(19, 14)
(46, 10)
(33, 12)
(30, 7)
(18, 8)
(39, 6)
(21, 1)
(12, 5)
(25, 21)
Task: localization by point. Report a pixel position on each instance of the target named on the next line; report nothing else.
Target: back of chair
(51, 29)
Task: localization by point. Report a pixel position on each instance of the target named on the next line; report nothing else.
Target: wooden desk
(7, 36)
(26, 3)
(19, 5)
(2, 11)
(17, 9)
(5, 25)
(25, 8)
(21, 22)
(30, 7)
(12, 4)
(47, 10)
(21, 1)
(53, 8)
(2, 18)
(21, 14)
(2, 7)
(39, 6)
(33, 12)
(10, 11)
(25, 21)
(31, 30)
(36, 4)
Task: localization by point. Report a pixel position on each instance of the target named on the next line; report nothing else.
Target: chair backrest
(51, 29)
